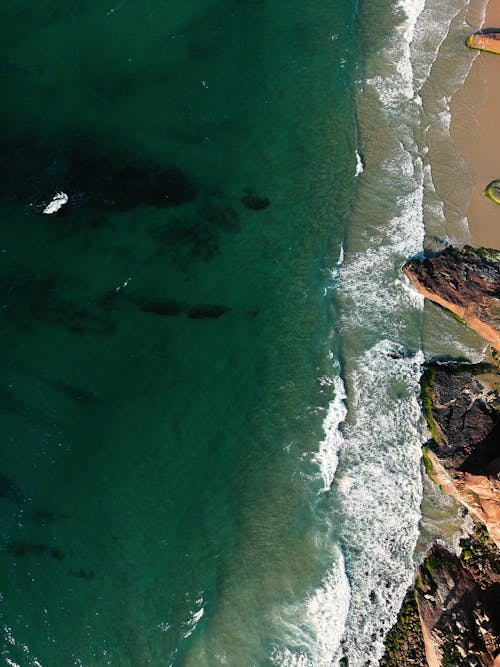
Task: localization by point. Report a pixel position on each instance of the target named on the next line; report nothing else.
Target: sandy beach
(474, 130)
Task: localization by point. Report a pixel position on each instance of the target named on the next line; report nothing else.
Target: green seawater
(160, 401)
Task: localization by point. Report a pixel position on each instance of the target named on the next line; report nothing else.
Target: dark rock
(20, 549)
(254, 202)
(463, 416)
(467, 282)
(192, 240)
(90, 177)
(459, 608)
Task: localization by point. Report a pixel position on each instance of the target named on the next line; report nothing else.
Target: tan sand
(475, 110)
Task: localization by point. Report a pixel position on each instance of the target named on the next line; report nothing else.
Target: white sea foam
(192, 622)
(378, 490)
(313, 640)
(10, 640)
(397, 86)
(372, 287)
(59, 200)
(370, 456)
(327, 456)
(360, 167)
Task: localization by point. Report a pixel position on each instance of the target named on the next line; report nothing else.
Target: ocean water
(210, 358)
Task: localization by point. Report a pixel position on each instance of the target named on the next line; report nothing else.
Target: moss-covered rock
(493, 191)
(404, 644)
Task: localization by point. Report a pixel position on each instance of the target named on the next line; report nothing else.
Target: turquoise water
(210, 358)
(165, 333)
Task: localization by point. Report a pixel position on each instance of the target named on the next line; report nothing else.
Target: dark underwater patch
(45, 516)
(207, 311)
(89, 176)
(253, 202)
(194, 239)
(10, 490)
(223, 217)
(20, 549)
(165, 308)
(28, 300)
(83, 574)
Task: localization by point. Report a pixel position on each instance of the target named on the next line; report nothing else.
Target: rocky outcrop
(466, 282)
(459, 604)
(461, 404)
(484, 41)
(458, 599)
(493, 191)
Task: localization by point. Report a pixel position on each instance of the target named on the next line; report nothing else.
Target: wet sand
(474, 130)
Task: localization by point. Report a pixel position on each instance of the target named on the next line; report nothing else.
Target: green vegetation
(451, 657)
(436, 560)
(427, 462)
(457, 317)
(406, 631)
(493, 191)
(426, 382)
(479, 548)
(482, 253)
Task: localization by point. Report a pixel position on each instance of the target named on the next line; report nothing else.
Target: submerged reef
(88, 177)
(254, 202)
(453, 609)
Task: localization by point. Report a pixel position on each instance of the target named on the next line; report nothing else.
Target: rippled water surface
(210, 359)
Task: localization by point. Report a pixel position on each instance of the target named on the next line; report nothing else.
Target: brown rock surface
(485, 42)
(467, 282)
(462, 410)
(459, 605)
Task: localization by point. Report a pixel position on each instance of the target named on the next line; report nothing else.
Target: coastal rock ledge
(466, 282)
(451, 615)
(461, 403)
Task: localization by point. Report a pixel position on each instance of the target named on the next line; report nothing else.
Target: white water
(369, 460)
(327, 457)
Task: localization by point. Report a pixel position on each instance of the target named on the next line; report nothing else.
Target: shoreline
(473, 129)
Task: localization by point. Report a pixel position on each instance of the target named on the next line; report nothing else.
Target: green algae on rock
(404, 645)
(486, 40)
(493, 191)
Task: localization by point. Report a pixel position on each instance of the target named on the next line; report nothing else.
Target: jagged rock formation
(461, 404)
(467, 282)
(458, 599)
(459, 604)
